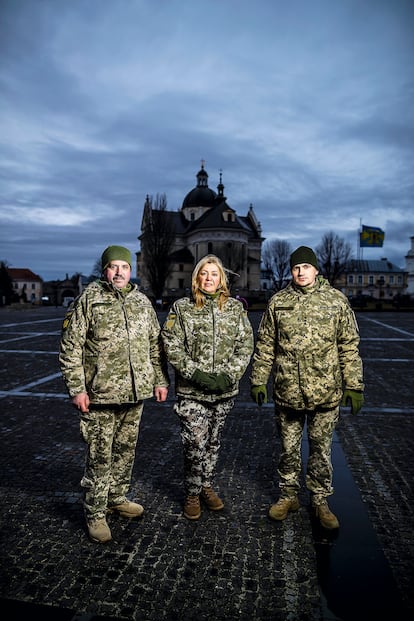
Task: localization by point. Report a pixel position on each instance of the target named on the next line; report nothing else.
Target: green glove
(205, 381)
(354, 398)
(223, 383)
(259, 394)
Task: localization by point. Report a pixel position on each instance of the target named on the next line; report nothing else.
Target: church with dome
(206, 224)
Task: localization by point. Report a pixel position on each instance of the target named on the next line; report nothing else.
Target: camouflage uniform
(309, 338)
(111, 349)
(214, 341)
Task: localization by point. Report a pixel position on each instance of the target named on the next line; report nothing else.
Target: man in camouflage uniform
(309, 337)
(111, 360)
(209, 341)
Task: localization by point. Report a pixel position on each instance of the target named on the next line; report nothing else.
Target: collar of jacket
(310, 288)
(211, 296)
(118, 292)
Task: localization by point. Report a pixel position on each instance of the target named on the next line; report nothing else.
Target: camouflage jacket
(111, 346)
(309, 339)
(208, 339)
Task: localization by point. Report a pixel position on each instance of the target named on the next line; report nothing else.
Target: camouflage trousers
(320, 427)
(111, 435)
(201, 427)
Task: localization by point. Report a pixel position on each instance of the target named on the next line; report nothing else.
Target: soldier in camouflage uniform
(309, 337)
(209, 341)
(111, 359)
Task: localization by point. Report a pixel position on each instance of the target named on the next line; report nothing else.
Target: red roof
(23, 273)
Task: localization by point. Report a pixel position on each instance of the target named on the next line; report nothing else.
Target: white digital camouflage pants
(111, 435)
(320, 428)
(201, 427)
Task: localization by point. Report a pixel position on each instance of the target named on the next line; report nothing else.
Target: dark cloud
(305, 107)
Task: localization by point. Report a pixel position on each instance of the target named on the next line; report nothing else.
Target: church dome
(201, 195)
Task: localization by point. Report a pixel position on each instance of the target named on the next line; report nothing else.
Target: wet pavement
(233, 564)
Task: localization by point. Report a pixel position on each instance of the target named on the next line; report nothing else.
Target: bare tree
(333, 254)
(275, 258)
(234, 264)
(97, 269)
(157, 241)
(6, 285)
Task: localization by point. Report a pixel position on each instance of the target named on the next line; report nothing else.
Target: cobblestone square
(235, 564)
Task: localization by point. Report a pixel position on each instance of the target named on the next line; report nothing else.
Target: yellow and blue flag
(371, 237)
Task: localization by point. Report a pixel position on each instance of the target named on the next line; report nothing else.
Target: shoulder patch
(170, 321)
(67, 319)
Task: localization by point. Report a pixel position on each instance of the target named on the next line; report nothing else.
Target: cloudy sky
(307, 106)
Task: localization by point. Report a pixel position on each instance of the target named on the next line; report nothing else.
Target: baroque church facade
(206, 224)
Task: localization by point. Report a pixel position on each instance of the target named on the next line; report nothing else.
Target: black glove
(205, 381)
(354, 398)
(259, 394)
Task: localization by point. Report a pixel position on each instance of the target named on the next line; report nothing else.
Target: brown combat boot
(99, 531)
(192, 509)
(127, 509)
(281, 508)
(325, 516)
(209, 496)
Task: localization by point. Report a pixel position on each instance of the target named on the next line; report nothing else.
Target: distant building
(409, 266)
(206, 224)
(267, 282)
(27, 286)
(381, 280)
(63, 292)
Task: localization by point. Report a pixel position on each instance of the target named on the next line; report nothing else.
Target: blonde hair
(199, 296)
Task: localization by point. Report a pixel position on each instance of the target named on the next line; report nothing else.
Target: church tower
(207, 224)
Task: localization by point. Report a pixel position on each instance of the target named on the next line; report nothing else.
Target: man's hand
(160, 393)
(81, 402)
(259, 394)
(354, 398)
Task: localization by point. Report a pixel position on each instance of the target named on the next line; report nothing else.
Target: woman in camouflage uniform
(309, 338)
(111, 359)
(208, 341)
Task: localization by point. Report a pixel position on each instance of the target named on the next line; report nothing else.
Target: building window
(181, 283)
(350, 279)
(192, 216)
(210, 247)
(391, 280)
(360, 279)
(181, 267)
(370, 280)
(399, 279)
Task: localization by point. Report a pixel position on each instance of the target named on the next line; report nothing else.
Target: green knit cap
(303, 254)
(115, 253)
